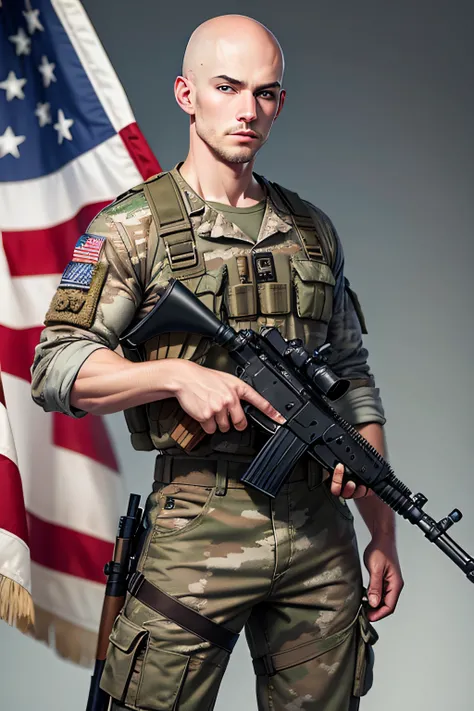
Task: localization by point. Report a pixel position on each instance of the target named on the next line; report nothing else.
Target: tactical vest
(288, 284)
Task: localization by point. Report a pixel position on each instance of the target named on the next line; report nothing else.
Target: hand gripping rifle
(300, 386)
(117, 571)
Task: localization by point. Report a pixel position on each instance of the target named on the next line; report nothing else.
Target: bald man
(217, 557)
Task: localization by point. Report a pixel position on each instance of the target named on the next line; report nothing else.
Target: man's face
(237, 96)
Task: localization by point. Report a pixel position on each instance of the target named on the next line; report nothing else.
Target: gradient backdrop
(377, 131)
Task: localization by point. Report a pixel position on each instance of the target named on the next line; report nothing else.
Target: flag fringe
(70, 641)
(16, 605)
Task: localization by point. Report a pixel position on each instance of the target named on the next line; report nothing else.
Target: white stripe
(95, 62)
(15, 559)
(7, 445)
(74, 599)
(24, 300)
(100, 174)
(59, 485)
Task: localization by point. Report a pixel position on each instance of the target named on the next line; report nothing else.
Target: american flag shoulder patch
(88, 248)
(77, 275)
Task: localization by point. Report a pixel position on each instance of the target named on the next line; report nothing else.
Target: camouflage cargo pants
(286, 569)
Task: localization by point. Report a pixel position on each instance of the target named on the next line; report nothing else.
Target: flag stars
(13, 87)
(47, 70)
(32, 18)
(9, 143)
(43, 113)
(62, 127)
(22, 42)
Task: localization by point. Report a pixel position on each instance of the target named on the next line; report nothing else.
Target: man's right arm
(76, 370)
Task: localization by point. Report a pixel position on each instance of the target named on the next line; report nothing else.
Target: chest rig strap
(316, 243)
(173, 226)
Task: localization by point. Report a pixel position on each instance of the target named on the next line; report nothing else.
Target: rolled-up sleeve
(348, 357)
(80, 322)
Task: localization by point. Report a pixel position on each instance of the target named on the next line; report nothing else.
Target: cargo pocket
(161, 679)
(314, 289)
(366, 637)
(127, 642)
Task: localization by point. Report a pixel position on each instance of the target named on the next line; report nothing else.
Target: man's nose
(248, 107)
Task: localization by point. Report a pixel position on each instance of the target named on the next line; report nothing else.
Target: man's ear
(183, 94)
(281, 102)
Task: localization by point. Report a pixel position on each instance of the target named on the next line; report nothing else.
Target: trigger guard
(267, 423)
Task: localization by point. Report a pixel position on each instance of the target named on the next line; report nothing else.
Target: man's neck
(217, 181)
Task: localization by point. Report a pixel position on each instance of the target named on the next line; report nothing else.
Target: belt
(184, 616)
(224, 473)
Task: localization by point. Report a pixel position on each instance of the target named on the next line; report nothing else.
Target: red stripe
(47, 251)
(12, 504)
(139, 150)
(17, 347)
(68, 551)
(87, 436)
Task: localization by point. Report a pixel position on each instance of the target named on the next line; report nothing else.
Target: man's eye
(269, 94)
(224, 86)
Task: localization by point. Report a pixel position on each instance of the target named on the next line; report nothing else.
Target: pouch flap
(308, 270)
(125, 635)
(162, 676)
(210, 283)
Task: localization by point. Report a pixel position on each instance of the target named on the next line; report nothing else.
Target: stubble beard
(236, 156)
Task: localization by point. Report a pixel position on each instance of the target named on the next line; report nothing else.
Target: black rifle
(300, 386)
(118, 571)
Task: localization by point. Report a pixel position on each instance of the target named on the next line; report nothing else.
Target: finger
(360, 492)
(349, 489)
(209, 425)
(222, 420)
(237, 416)
(379, 614)
(254, 398)
(336, 482)
(375, 589)
(389, 602)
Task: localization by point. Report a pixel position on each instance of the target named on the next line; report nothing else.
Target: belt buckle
(187, 259)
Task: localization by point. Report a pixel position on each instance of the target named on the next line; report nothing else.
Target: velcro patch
(74, 305)
(88, 248)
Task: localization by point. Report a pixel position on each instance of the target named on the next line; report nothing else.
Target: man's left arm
(362, 408)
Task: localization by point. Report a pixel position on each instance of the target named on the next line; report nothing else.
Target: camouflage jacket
(131, 266)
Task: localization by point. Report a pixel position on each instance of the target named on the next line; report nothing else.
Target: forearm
(379, 518)
(109, 383)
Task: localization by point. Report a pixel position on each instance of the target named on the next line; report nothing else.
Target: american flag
(68, 145)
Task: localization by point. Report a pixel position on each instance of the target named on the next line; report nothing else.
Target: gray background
(376, 130)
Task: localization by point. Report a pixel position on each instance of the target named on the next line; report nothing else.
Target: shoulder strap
(313, 236)
(173, 225)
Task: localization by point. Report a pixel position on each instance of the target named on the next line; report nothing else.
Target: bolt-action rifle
(301, 387)
(118, 571)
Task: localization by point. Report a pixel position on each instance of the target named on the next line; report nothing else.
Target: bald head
(230, 39)
(231, 87)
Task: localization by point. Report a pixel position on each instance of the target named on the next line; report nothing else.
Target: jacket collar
(212, 224)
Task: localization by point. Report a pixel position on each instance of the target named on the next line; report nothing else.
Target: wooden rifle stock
(117, 571)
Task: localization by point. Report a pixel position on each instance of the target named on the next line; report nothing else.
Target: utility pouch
(314, 286)
(273, 277)
(366, 637)
(241, 289)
